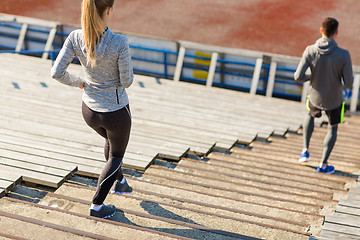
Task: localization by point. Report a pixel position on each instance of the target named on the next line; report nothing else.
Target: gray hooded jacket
(105, 83)
(331, 69)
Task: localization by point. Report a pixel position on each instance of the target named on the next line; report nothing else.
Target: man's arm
(299, 75)
(348, 77)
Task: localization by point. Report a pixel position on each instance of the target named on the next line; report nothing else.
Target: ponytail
(92, 25)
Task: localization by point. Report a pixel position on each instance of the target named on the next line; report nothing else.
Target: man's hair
(329, 26)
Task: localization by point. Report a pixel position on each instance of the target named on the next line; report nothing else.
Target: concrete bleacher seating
(246, 193)
(43, 117)
(211, 189)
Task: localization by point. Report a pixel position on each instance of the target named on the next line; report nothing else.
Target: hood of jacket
(325, 45)
(101, 47)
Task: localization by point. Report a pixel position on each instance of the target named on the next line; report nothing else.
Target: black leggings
(115, 128)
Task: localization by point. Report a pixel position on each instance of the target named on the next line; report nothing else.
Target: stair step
(257, 174)
(344, 157)
(293, 145)
(15, 226)
(251, 180)
(254, 159)
(5, 236)
(8, 180)
(242, 198)
(126, 216)
(347, 157)
(289, 161)
(225, 188)
(85, 164)
(42, 178)
(140, 213)
(229, 204)
(295, 141)
(194, 214)
(85, 225)
(293, 159)
(345, 233)
(271, 176)
(5, 185)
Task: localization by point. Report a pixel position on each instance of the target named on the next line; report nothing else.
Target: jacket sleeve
(63, 60)
(347, 74)
(299, 75)
(125, 65)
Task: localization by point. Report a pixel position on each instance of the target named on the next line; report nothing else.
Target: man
(331, 70)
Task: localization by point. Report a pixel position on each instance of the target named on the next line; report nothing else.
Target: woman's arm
(125, 66)
(65, 57)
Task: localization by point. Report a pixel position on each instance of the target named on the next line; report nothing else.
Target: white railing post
(212, 68)
(271, 80)
(49, 43)
(355, 93)
(179, 64)
(21, 38)
(256, 76)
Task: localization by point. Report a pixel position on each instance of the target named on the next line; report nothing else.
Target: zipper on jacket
(117, 96)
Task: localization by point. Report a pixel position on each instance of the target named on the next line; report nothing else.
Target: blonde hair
(92, 24)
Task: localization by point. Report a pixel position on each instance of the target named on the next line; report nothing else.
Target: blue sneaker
(121, 188)
(304, 157)
(106, 211)
(328, 169)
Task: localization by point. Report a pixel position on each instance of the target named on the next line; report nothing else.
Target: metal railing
(51, 54)
(261, 70)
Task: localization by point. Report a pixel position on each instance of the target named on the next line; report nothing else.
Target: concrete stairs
(253, 192)
(217, 190)
(68, 215)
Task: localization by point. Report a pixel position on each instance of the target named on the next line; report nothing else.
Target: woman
(106, 61)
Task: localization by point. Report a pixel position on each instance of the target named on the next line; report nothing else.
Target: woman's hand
(82, 87)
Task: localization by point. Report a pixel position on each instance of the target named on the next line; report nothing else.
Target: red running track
(276, 26)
